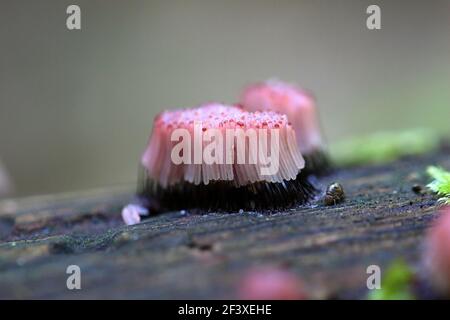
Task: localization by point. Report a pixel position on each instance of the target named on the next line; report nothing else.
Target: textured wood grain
(184, 255)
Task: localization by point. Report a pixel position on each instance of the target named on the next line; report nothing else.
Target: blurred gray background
(76, 107)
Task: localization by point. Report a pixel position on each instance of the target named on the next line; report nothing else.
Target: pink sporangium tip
(437, 253)
(131, 213)
(269, 283)
(296, 103)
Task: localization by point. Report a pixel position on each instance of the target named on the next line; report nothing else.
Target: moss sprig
(441, 183)
(384, 147)
(396, 284)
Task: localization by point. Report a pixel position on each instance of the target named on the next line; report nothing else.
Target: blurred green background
(76, 107)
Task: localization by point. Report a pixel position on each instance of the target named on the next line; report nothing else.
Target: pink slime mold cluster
(156, 158)
(296, 103)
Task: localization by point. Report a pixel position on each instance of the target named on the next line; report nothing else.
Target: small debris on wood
(334, 194)
(417, 189)
(200, 246)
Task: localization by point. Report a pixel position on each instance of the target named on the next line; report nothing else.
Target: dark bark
(186, 255)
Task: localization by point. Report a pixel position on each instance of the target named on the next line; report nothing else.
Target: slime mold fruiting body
(269, 283)
(223, 158)
(437, 253)
(300, 108)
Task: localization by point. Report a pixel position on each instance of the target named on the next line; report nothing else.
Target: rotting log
(189, 256)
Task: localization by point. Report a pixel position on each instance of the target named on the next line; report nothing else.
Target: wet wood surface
(189, 256)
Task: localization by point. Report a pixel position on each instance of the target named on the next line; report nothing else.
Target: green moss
(383, 147)
(396, 284)
(441, 183)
